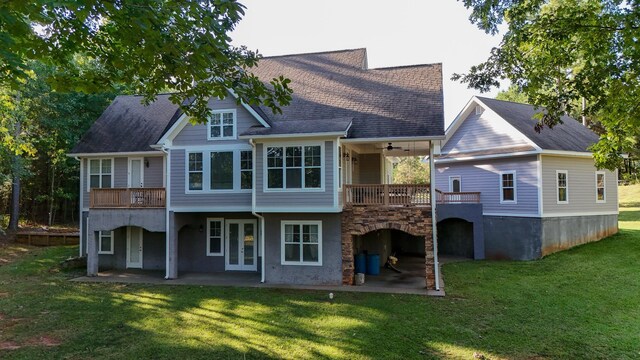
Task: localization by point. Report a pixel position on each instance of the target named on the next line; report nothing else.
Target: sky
(395, 33)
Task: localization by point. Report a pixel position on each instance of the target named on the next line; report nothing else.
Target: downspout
(81, 203)
(253, 211)
(167, 203)
(434, 223)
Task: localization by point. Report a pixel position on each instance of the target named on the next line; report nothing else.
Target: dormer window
(222, 125)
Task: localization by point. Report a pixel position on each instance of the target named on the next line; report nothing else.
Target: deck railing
(386, 195)
(457, 197)
(128, 198)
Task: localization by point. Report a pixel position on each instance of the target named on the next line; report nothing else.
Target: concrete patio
(387, 282)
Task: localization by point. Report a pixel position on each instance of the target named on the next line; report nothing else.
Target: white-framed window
(301, 243)
(215, 237)
(246, 169)
(294, 167)
(105, 242)
(100, 174)
(508, 190)
(226, 170)
(601, 195)
(562, 186)
(221, 177)
(222, 125)
(195, 171)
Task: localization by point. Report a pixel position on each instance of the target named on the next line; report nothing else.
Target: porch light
(345, 155)
(146, 162)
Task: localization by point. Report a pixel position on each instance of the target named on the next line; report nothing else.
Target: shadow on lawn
(577, 303)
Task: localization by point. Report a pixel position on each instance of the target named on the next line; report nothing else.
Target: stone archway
(359, 220)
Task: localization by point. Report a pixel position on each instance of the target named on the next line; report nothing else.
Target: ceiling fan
(391, 147)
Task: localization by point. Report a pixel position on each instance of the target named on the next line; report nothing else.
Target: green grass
(629, 195)
(580, 303)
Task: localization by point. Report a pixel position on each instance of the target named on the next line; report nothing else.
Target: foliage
(411, 170)
(150, 45)
(513, 94)
(558, 52)
(580, 303)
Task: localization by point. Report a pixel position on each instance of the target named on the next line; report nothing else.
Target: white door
(241, 246)
(136, 178)
(134, 247)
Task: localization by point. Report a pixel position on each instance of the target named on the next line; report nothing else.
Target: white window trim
(604, 187)
(100, 237)
(340, 167)
(222, 237)
(206, 170)
(282, 244)
(265, 172)
(566, 173)
(251, 170)
(235, 125)
(89, 172)
(451, 178)
(515, 188)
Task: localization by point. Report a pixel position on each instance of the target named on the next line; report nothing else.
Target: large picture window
(105, 243)
(100, 173)
(294, 167)
(215, 239)
(301, 243)
(508, 187)
(600, 187)
(195, 171)
(562, 179)
(222, 125)
(222, 170)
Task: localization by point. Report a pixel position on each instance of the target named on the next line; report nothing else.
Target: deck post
(172, 248)
(92, 254)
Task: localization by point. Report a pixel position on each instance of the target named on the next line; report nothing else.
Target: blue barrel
(361, 263)
(373, 264)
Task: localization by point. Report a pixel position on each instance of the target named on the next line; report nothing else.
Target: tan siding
(581, 187)
(197, 134)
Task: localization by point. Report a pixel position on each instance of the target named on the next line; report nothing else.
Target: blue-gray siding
(484, 176)
(290, 200)
(484, 131)
(238, 201)
(197, 134)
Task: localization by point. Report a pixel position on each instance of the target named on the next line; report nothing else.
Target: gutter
(253, 211)
(166, 216)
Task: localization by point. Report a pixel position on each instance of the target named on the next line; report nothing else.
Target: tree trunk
(15, 187)
(51, 199)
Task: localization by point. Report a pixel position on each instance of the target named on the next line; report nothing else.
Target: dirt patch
(4, 295)
(9, 345)
(11, 253)
(44, 341)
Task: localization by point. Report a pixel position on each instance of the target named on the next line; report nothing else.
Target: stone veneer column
(359, 220)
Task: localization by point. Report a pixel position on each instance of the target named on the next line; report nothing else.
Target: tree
(151, 45)
(558, 52)
(411, 170)
(512, 94)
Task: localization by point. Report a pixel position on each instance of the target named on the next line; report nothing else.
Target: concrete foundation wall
(559, 233)
(517, 238)
(331, 270)
(192, 243)
(471, 213)
(109, 219)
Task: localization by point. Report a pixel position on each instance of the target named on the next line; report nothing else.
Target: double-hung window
(105, 243)
(340, 167)
(100, 173)
(600, 187)
(301, 243)
(222, 125)
(508, 187)
(246, 169)
(195, 171)
(215, 237)
(562, 182)
(294, 167)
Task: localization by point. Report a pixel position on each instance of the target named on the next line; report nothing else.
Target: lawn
(581, 303)
(629, 195)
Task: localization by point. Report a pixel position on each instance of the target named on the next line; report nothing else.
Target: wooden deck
(387, 195)
(457, 197)
(127, 198)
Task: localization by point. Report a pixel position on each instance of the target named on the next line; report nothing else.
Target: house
(507, 191)
(290, 197)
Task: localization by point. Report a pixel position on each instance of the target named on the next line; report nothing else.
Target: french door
(241, 248)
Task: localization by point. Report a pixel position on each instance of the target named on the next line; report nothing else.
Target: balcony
(127, 198)
(386, 195)
(457, 197)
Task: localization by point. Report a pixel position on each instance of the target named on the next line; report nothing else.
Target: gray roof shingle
(290, 127)
(329, 87)
(571, 135)
(128, 126)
